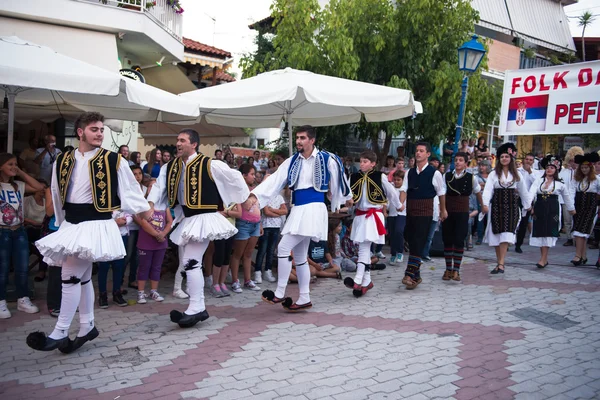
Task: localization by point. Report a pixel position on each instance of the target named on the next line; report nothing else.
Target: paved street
(527, 334)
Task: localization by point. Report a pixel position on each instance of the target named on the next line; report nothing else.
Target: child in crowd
(473, 213)
(249, 230)
(123, 220)
(152, 245)
(272, 221)
(222, 254)
(320, 261)
(433, 228)
(132, 258)
(335, 246)
(396, 221)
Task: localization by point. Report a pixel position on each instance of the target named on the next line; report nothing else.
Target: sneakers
(54, 312)
(257, 277)
(208, 282)
(141, 298)
(118, 299)
(25, 305)
(269, 276)
(224, 290)
(427, 258)
(154, 295)
(4, 312)
(399, 258)
(392, 260)
(380, 255)
(215, 290)
(103, 300)
(236, 287)
(251, 285)
(180, 294)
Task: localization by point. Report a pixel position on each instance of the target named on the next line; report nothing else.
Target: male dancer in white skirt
(310, 174)
(198, 186)
(88, 183)
(371, 190)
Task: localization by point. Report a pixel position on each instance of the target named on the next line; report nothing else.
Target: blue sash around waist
(305, 196)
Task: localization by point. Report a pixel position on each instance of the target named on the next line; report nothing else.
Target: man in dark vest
(371, 190)
(88, 184)
(198, 188)
(421, 185)
(459, 187)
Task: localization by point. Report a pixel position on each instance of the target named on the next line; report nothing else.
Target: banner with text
(563, 99)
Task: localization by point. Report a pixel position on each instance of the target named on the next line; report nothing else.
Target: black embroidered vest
(375, 193)
(103, 177)
(200, 191)
(420, 186)
(462, 186)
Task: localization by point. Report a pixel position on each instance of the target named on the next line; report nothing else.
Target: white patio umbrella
(44, 84)
(302, 96)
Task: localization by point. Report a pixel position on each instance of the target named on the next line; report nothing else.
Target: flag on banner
(527, 114)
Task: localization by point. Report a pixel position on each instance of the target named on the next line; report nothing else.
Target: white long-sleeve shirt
(474, 183)
(503, 183)
(80, 187)
(560, 189)
(271, 187)
(230, 184)
(437, 181)
(592, 187)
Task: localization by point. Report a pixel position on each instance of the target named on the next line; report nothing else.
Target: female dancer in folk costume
(504, 188)
(585, 188)
(310, 174)
(371, 191)
(87, 185)
(546, 192)
(196, 186)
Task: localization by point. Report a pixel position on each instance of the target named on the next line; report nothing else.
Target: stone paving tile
(443, 340)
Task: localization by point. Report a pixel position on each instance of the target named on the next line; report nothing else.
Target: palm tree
(584, 20)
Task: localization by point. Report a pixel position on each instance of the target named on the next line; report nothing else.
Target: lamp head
(470, 55)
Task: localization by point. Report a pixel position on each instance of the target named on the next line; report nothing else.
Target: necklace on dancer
(581, 188)
(546, 192)
(507, 184)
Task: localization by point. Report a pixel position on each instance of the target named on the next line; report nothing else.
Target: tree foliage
(405, 44)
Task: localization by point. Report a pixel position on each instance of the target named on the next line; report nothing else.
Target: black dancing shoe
(39, 341)
(187, 321)
(541, 265)
(577, 263)
(518, 250)
(80, 341)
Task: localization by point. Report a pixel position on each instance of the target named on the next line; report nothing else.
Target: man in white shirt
(308, 217)
(530, 174)
(88, 184)
(45, 157)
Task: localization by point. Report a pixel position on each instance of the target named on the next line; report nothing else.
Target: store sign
(133, 74)
(571, 141)
(556, 100)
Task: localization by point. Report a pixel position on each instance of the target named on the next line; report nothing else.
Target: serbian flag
(527, 114)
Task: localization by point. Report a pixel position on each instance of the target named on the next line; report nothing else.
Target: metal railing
(160, 11)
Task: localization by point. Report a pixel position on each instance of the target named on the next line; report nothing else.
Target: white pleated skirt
(198, 228)
(308, 220)
(365, 229)
(93, 241)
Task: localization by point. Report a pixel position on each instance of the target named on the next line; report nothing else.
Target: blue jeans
(14, 247)
(118, 268)
(266, 247)
(432, 228)
(396, 233)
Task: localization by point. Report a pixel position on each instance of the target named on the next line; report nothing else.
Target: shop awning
(170, 78)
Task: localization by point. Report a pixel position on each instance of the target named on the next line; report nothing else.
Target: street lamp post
(470, 55)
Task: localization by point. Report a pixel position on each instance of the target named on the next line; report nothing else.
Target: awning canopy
(169, 78)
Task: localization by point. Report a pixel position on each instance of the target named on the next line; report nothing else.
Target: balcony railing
(160, 11)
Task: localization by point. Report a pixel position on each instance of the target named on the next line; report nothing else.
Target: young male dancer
(371, 190)
(198, 186)
(88, 184)
(459, 187)
(310, 174)
(421, 185)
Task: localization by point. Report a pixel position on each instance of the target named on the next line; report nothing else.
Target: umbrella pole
(11, 93)
(290, 134)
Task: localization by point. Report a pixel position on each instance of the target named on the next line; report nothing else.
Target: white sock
(364, 258)
(86, 305)
(195, 290)
(178, 277)
(366, 279)
(284, 268)
(303, 272)
(71, 295)
(86, 324)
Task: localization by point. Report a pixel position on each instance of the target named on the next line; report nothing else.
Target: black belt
(76, 213)
(190, 212)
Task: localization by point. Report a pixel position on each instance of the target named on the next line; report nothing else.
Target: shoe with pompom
(349, 282)
(293, 307)
(269, 297)
(39, 341)
(187, 321)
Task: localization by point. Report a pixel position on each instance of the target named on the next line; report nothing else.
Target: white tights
(299, 245)
(195, 279)
(363, 276)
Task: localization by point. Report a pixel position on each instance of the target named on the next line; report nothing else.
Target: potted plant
(150, 4)
(175, 5)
